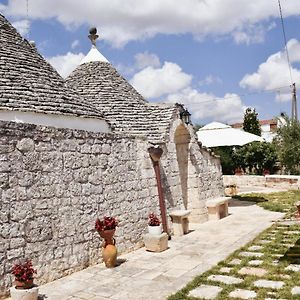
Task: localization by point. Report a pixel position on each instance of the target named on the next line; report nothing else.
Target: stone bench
(217, 208)
(180, 221)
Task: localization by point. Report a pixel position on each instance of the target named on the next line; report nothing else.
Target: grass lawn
(279, 245)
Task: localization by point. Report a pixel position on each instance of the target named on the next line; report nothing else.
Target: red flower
(153, 220)
(106, 224)
(23, 271)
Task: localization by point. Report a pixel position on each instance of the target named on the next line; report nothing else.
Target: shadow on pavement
(246, 200)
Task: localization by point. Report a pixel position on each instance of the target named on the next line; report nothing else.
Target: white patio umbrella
(216, 134)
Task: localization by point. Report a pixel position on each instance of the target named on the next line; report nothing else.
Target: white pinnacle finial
(94, 54)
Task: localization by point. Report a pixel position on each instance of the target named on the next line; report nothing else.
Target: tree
(251, 122)
(288, 145)
(226, 158)
(256, 157)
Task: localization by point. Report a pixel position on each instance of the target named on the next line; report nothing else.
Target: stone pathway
(243, 279)
(145, 275)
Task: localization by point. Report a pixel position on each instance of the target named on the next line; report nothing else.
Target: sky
(217, 57)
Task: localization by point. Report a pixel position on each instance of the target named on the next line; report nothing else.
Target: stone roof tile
(29, 83)
(126, 110)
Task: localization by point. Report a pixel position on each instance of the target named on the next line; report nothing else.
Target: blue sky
(215, 56)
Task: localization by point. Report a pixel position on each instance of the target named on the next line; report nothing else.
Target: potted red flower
(24, 287)
(106, 228)
(154, 224)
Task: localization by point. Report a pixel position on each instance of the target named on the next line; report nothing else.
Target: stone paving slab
(277, 255)
(205, 292)
(269, 284)
(225, 279)
(242, 294)
(292, 232)
(293, 267)
(154, 276)
(255, 248)
(259, 272)
(255, 262)
(295, 290)
(263, 242)
(251, 254)
(225, 270)
(284, 276)
(235, 262)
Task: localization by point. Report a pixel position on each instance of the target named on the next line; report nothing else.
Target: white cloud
(210, 79)
(228, 109)
(175, 85)
(145, 59)
(274, 72)
(75, 44)
(141, 61)
(284, 96)
(23, 26)
(251, 34)
(125, 69)
(65, 64)
(122, 21)
(156, 82)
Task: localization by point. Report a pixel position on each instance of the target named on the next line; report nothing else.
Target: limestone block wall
(283, 181)
(244, 180)
(53, 185)
(274, 181)
(204, 174)
(55, 182)
(209, 175)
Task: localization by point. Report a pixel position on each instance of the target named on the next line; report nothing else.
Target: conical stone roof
(29, 84)
(125, 109)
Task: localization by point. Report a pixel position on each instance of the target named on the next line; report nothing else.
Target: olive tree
(256, 157)
(288, 145)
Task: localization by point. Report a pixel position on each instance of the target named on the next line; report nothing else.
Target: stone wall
(273, 181)
(53, 185)
(204, 174)
(55, 182)
(283, 181)
(244, 180)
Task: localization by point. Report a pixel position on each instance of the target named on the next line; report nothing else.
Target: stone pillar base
(156, 243)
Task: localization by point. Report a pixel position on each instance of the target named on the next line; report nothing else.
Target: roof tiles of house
(29, 83)
(126, 110)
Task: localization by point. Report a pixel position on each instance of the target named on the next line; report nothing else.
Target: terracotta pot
(107, 235)
(230, 190)
(238, 171)
(109, 255)
(23, 285)
(155, 230)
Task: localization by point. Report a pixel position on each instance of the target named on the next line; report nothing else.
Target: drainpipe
(155, 154)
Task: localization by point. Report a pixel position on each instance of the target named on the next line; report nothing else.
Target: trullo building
(71, 151)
